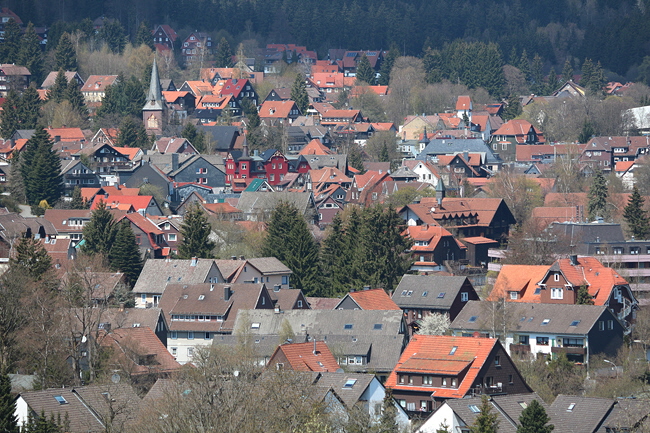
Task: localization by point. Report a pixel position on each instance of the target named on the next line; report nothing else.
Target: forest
(616, 33)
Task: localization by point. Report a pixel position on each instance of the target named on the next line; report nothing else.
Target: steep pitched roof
(157, 273)
(98, 83)
(315, 147)
(373, 299)
(575, 413)
(138, 202)
(277, 109)
(308, 356)
(427, 291)
(519, 278)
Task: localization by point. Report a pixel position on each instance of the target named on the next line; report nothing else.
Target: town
(202, 233)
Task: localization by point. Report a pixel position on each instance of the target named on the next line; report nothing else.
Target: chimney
(121, 309)
(174, 161)
(57, 138)
(574, 259)
(242, 257)
(226, 293)
(194, 261)
(466, 155)
(366, 287)
(233, 257)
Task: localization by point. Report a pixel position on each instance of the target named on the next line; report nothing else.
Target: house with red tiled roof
(95, 86)
(514, 132)
(307, 356)
(105, 136)
(367, 299)
(366, 188)
(69, 76)
(148, 236)
(174, 145)
(143, 204)
(197, 88)
(544, 216)
(432, 246)
(433, 369)
(278, 112)
(239, 88)
(464, 107)
(315, 147)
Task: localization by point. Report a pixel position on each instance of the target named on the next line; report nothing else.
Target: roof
(348, 386)
(600, 279)
(51, 78)
(322, 303)
(315, 147)
(308, 356)
(444, 146)
(534, 318)
(139, 202)
(575, 413)
(98, 83)
(277, 109)
(518, 278)
(464, 103)
(373, 299)
(157, 273)
(430, 291)
(251, 202)
(433, 353)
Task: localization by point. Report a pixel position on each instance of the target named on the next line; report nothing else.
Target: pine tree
(65, 54)
(537, 76)
(223, 57)
(299, 93)
(10, 48)
(387, 66)
(41, 170)
(144, 37)
(99, 233)
(355, 157)
(196, 235)
(77, 201)
(8, 418)
(132, 134)
(567, 71)
(76, 98)
(31, 258)
(524, 65)
(534, 419)
(583, 297)
(289, 240)
(365, 73)
(597, 206)
(113, 35)
(586, 80)
(57, 92)
(42, 424)
(513, 108)
(30, 54)
(486, 421)
(29, 109)
(332, 258)
(9, 116)
(124, 255)
(552, 84)
(636, 217)
(433, 66)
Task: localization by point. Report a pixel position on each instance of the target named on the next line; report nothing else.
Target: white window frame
(557, 293)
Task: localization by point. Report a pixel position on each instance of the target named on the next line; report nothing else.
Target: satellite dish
(115, 378)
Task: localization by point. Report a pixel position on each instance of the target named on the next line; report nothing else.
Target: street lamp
(615, 368)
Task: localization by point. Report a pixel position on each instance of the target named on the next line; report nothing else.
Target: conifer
(636, 217)
(9, 116)
(195, 231)
(76, 98)
(57, 92)
(567, 71)
(365, 73)
(583, 297)
(486, 421)
(77, 201)
(30, 54)
(144, 37)
(299, 93)
(223, 57)
(124, 255)
(8, 418)
(597, 206)
(65, 54)
(41, 169)
(30, 108)
(10, 48)
(99, 233)
(534, 419)
(31, 258)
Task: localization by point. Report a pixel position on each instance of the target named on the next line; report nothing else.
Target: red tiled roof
(374, 299)
(463, 103)
(66, 134)
(129, 152)
(140, 341)
(429, 353)
(112, 201)
(98, 83)
(518, 278)
(600, 278)
(315, 147)
(277, 109)
(303, 357)
(516, 127)
(623, 166)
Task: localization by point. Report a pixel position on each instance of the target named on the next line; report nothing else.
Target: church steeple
(154, 97)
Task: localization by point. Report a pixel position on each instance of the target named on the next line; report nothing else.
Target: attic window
(522, 319)
(472, 319)
(441, 294)
(201, 297)
(410, 292)
(453, 350)
(425, 293)
(349, 383)
(60, 399)
(255, 326)
(570, 408)
(474, 408)
(347, 326)
(403, 292)
(523, 404)
(538, 290)
(378, 326)
(546, 321)
(574, 323)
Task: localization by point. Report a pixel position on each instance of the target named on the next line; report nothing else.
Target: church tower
(153, 110)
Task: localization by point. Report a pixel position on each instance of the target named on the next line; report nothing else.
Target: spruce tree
(132, 134)
(196, 235)
(144, 36)
(30, 54)
(223, 57)
(76, 98)
(537, 76)
(552, 83)
(586, 80)
(299, 93)
(365, 73)
(567, 71)
(9, 116)
(57, 92)
(65, 54)
(587, 132)
(583, 297)
(31, 258)
(512, 109)
(597, 206)
(10, 48)
(636, 217)
(124, 255)
(524, 64)
(355, 157)
(289, 240)
(113, 35)
(387, 422)
(333, 254)
(8, 418)
(41, 170)
(77, 201)
(534, 419)
(30, 108)
(195, 137)
(387, 65)
(433, 67)
(486, 421)
(99, 233)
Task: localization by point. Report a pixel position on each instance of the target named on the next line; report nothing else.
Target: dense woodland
(616, 33)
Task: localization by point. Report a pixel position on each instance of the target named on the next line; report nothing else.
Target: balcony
(569, 350)
(519, 349)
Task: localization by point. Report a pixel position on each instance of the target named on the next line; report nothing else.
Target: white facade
(425, 174)
(443, 416)
(183, 344)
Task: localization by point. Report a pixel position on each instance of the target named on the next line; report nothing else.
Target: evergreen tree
(124, 98)
(16, 183)
(41, 170)
(567, 71)
(76, 98)
(223, 57)
(387, 65)
(194, 136)
(132, 134)
(355, 158)
(57, 92)
(486, 421)
(587, 132)
(365, 73)
(583, 297)
(586, 80)
(289, 240)
(512, 109)
(41, 424)
(113, 35)
(99, 233)
(124, 255)
(144, 36)
(77, 201)
(65, 54)
(299, 93)
(10, 48)
(552, 83)
(8, 418)
(333, 255)
(30, 54)
(31, 258)
(636, 217)
(597, 206)
(29, 109)
(433, 66)
(524, 64)
(534, 419)
(196, 235)
(537, 76)
(387, 423)
(9, 116)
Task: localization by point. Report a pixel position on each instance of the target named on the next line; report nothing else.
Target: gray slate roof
(433, 285)
(350, 395)
(253, 202)
(585, 416)
(446, 146)
(528, 317)
(157, 273)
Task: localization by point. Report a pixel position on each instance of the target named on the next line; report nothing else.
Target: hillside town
(276, 238)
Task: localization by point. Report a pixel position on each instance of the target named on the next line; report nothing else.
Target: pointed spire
(154, 97)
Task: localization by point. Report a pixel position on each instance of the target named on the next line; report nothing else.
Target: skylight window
(441, 294)
(531, 319)
(570, 408)
(453, 350)
(403, 292)
(378, 326)
(347, 326)
(575, 323)
(472, 319)
(425, 293)
(255, 326)
(546, 321)
(349, 383)
(201, 297)
(410, 292)
(523, 318)
(60, 399)
(538, 290)
(474, 408)
(523, 404)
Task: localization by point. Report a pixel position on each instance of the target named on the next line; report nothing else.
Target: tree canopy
(196, 235)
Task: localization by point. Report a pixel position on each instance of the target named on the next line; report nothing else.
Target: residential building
(94, 89)
(432, 247)
(13, 77)
(164, 35)
(196, 47)
(367, 299)
(307, 356)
